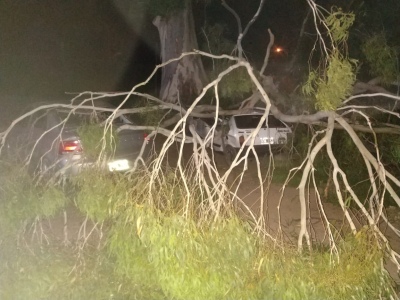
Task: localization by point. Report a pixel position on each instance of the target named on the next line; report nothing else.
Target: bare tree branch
(267, 54)
(241, 32)
(206, 171)
(240, 29)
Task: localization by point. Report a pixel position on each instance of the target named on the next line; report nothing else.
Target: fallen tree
(215, 184)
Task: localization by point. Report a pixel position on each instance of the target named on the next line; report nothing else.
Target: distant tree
(183, 79)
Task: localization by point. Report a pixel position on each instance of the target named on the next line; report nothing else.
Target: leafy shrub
(33, 274)
(147, 116)
(334, 85)
(235, 85)
(96, 140)
(339, 24)
(22, 199)
(225, 260)
(128, 251)
(56, 273)
(355, 274)
(382, 58)
(98, 191)
(334, 80)
(210, 262)
(155, 249)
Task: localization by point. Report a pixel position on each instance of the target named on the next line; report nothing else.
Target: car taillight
(70, 147)
(146, 137)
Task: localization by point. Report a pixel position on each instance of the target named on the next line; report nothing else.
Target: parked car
(56, 148)
(232, 132)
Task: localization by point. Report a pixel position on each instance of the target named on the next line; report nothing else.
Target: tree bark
(181, 81)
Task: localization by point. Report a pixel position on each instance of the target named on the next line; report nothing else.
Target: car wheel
(230, 154)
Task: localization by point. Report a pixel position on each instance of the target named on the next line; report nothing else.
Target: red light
(146, 137)
(70, 146)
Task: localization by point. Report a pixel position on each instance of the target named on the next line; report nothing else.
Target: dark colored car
(51, 145)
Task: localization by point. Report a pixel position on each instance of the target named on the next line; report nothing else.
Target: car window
(275, 123)
(248, 121)
(252, 121)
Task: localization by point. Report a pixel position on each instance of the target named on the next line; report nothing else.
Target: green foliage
(130, 255)
(96, 141)
(339, 24)
(100, 193)
(310, 87)
(56, 273)
(237, 83)
(22, 199)
(214, 40)
(210, 262)
(32, 275)
(382, 58)
(334, 85)
(319, 275)
(395, 151)
(333, 82)
(156, 251)
(348, 156)
(148, 117)
(234, 85)
(159, 257)
(186, 260)
(198, 259)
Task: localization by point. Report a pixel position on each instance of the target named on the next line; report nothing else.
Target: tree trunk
(181, 81)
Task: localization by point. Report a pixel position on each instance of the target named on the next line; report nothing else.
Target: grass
(281, 173)
(181, 261)
(59, 273)
(22, 199)
(155, 249)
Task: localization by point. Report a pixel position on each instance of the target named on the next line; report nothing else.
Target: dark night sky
(49, 47)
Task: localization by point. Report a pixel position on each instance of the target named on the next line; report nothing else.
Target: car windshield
(252, 121)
